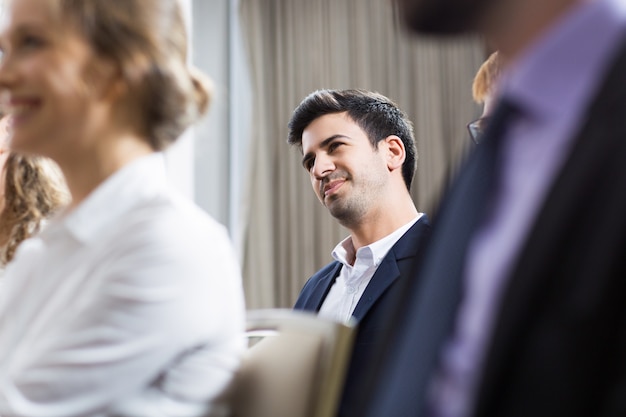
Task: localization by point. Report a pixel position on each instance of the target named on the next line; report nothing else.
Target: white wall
(212, 135)
(179, 157)
(220, 140)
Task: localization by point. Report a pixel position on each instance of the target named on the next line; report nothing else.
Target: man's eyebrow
(323, 144)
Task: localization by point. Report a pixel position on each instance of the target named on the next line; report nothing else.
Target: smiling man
(359, 151)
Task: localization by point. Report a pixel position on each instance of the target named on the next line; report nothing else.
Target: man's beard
(349, 212)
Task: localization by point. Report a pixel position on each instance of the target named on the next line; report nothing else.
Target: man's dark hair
(378, 116)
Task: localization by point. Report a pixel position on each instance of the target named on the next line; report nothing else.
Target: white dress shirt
(129, 305)
(350, 285)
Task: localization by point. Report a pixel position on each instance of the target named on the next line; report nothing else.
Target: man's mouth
(332, 186)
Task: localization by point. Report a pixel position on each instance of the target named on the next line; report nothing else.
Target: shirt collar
(373, 253)
(142, 178)
(584, 38)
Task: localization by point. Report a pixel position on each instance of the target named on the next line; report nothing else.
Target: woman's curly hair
(34, 190)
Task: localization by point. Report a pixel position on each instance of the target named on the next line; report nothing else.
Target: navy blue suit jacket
(374, 307)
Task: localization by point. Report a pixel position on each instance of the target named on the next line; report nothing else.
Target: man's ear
(395, 152)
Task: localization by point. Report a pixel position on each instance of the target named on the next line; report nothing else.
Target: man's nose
(323, 166)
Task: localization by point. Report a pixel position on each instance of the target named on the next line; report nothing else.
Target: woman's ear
(104, 79)
(396, 153)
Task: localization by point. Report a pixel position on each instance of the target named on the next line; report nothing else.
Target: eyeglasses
(477, 128)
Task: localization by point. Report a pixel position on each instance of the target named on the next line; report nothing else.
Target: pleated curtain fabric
(297, 46)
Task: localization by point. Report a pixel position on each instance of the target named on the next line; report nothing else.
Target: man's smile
(332, 186)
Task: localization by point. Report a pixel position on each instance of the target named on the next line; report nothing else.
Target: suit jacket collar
(314, 301)
(389, 271)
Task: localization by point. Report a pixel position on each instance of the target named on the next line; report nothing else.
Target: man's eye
(308, 164)
(334, 146)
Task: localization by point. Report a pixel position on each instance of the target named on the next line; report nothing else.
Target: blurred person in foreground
(32, 190)
(525, 315)
(359, 151)
(130, 302)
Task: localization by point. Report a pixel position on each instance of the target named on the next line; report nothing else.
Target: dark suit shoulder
(412, 241)
(316, 287)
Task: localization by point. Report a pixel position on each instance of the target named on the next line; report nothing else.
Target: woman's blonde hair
(34, 189)
(486, 77)
(147, 39)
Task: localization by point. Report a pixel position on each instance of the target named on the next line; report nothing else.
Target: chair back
(295, 366)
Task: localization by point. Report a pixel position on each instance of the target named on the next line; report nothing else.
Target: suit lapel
(393, 265)
(385, 275)
(314, 301)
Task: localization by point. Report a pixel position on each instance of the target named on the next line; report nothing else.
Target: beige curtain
(298, 46)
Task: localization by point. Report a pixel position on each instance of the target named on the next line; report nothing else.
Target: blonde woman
(129, 303)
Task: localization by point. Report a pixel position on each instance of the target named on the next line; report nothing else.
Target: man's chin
(333, 206)
(337, 210)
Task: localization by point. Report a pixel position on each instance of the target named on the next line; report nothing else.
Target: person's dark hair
(377, 115)
(147, 39)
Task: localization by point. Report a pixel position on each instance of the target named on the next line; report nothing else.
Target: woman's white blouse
(129, 305)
